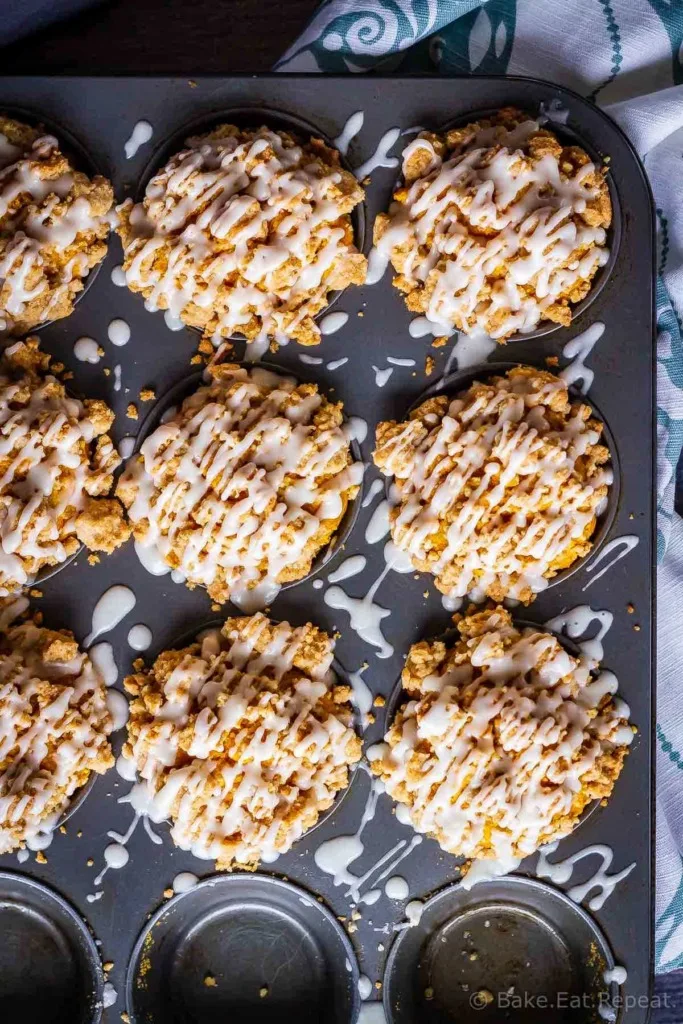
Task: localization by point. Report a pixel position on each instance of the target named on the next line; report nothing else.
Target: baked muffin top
(243, 739)
(56, 468)
(245, 231)
(497, 488)
(497, 228)
(503, 740)
(244, 485)
(53, 227)
(54, 726)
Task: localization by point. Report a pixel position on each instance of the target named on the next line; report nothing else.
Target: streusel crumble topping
(498, 488)
(242, 739)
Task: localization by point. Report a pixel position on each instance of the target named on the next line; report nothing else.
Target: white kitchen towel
(626, 56)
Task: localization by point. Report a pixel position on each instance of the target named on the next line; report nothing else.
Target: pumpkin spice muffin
(498, 227)
(56, 468)
(498, 488)
(242, 739)
(55, 726)
(53, 228)
(243, 485)
(503, 740)
(245, 231)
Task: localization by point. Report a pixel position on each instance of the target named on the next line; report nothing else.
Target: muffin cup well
(49, 965)
(243, 947)
(508, 949)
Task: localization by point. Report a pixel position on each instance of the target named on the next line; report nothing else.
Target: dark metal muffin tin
(101, 114)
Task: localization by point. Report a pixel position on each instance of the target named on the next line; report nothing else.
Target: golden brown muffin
(247, 232)
(56, 465)
(53, 228)
(503, 740)
(243, 739)
(497, 488)
(55, 726)
(497, 228)
(244, 485)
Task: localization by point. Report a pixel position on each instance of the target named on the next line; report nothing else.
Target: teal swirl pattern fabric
(626, 56)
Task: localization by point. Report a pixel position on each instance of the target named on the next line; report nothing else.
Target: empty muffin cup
(511, 949)
(243, 948)
(49, 966)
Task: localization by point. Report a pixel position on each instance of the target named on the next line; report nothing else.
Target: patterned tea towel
(627, 56)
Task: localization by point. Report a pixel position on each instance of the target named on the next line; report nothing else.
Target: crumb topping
(54, 725)
(244, 485)
(497, 488)
(245, 232)
(53, 228)
(56, 463)
(503, 740)
(497, 227)
(242, 739)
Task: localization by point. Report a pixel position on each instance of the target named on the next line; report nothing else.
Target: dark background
(194, 37)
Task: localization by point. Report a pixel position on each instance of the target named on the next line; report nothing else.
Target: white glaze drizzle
(87, 350)
(616, 975)
(118, 332)
(622, 546)
(578, 349)
(141, 134)
(139, 637)
(117, 377)
(382, 375)
(112, 607)
(332, 323)
(184, 881)
(380, 158)
(400, 362)
(335, 364)
(349, 132)
(351, 566)
(561, 871)
(118, 276)
(109, 995)
(375, 488)
(102, 657)
(396, 888)
(126, 446)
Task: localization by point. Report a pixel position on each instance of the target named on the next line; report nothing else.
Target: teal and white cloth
(626, 56)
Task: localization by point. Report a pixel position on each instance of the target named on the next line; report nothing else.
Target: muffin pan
(195, 935)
